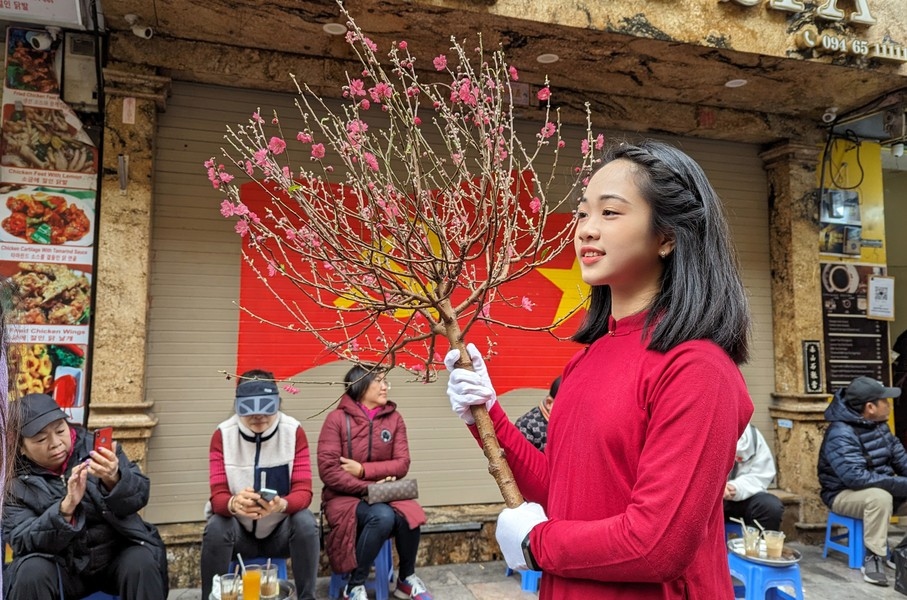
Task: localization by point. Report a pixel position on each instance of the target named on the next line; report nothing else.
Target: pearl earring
(662, 254)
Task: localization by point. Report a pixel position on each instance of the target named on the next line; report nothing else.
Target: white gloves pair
(514, 524)
(467, 388)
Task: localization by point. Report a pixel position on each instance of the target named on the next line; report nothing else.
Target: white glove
(466, 388)
(514, 524)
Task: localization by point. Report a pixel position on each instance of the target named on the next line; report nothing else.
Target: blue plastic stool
(280, 563)
(853, 547)
(384, 574)
(731, 528)
(101, 596)
(762, 581)
(529, 580)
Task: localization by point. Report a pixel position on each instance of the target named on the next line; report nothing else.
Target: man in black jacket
(72, 518)
(863, 467)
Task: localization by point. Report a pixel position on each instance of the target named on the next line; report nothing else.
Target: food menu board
(48, 198)
(855, 345)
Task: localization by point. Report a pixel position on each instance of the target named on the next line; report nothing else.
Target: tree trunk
(497, 463)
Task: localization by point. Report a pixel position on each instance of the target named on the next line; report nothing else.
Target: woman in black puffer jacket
(71, 515)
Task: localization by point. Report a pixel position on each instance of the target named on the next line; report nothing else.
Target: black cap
(37, 412)
(256, 397)
(865, 389)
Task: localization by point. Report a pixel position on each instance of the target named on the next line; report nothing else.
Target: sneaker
(873, 571)
(357, 593)
(412, 587)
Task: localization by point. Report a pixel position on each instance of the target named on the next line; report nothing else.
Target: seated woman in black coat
(71, 515)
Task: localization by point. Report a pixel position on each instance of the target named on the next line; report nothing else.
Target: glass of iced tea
(774, 543)
(230, 586)
(751, 538)
(269, 585)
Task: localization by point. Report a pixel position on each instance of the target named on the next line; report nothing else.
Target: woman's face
(49, 447)
(615, 242)
(376, 393)
(259, 423)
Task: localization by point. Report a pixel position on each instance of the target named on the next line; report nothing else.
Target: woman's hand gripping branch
(467, 388)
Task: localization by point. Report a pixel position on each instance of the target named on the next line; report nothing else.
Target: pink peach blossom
(277, 145)
(318, 151)
(357, 88)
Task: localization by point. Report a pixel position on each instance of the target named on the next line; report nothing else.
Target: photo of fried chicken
(50, 294)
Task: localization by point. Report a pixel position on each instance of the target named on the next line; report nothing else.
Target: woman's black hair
(701, 295)
(357, 380)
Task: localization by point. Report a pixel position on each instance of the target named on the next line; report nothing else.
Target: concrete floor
(823, 579)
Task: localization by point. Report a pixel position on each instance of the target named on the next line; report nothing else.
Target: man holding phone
(260, 475)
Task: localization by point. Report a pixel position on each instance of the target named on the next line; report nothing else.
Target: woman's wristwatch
(527, 555)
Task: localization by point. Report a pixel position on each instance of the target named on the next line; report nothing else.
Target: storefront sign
(833, 42)
(828, 10)
(65, 13)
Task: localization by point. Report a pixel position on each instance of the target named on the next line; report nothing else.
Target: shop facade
(168, 267)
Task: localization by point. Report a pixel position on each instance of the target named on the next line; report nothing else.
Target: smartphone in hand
(103, 438)
(266, 494)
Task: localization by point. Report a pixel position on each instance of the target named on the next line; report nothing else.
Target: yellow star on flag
(570, 282)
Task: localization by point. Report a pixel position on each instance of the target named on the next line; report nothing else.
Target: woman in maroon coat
(363, 441)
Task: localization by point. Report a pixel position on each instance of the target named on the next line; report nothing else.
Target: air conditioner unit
(80, 75)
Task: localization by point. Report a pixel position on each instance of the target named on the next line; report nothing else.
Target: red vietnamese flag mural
(523, 359)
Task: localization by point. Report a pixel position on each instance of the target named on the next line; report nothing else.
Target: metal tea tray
(789, 556)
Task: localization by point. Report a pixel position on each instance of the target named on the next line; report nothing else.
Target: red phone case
(103, 437)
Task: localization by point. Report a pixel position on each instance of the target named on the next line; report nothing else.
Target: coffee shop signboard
(831, 41)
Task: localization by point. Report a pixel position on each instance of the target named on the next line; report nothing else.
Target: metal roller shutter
(193, 322)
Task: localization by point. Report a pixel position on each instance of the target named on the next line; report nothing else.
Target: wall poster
(854, 264)
(48, 196)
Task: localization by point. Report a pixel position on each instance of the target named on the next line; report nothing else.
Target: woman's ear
(666, 247)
